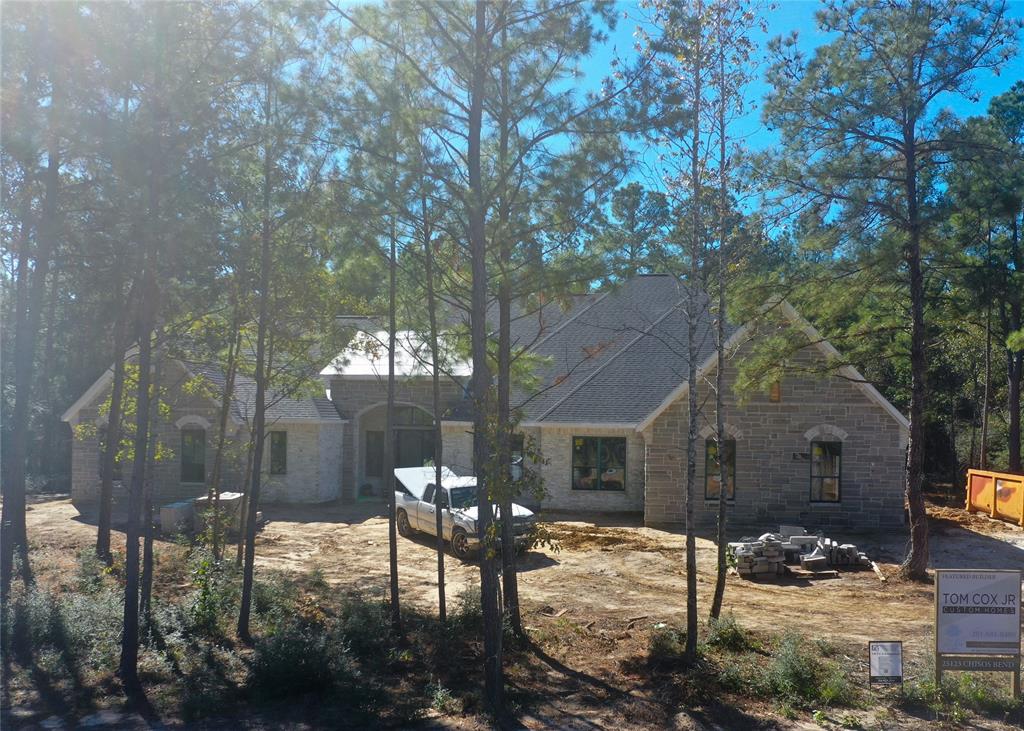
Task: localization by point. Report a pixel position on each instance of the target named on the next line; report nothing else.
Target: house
(301, 461)
(608, 412)
(610, 417)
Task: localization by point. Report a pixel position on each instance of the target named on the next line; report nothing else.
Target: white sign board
(885, 663)
(977, 612)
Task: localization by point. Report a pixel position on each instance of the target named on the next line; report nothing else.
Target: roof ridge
(646, 331)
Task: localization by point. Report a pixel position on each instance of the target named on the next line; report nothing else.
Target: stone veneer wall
(772, 484)
(167, 484)
(314, 454)
(555, 443)
(353, 396)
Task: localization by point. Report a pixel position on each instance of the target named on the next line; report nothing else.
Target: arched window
(193, 455)
(713, 469)
(826, 471)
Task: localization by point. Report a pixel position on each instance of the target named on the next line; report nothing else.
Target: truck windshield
(462, 497)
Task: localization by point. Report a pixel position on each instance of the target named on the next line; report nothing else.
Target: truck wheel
(404, 526)
(460, 544)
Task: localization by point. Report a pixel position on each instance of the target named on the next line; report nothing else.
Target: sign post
(885, 663)
(977, 622)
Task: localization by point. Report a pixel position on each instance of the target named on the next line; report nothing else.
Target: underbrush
(310, 642)
(790, 670)
(963, 694)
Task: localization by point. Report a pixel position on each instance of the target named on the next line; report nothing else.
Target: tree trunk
(435, 378)
(259, 419)
(723, 200)
(691, 356)
(986, 404)
(389, 439)
(146, 592)
(509, 577)
(128, 667)
(1015, 360)
(244, 507)
(113, 436)
(481, 381)
(222, 429)
(915, 565)
(31, 289)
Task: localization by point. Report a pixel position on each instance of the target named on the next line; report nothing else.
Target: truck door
(425, 515)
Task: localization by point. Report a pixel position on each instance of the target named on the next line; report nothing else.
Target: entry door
(413, 447)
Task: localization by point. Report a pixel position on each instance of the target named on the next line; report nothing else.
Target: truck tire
(405, 528)
(460, 544)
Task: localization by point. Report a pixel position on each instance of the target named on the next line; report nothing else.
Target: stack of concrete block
(761, 557)
(843, 554)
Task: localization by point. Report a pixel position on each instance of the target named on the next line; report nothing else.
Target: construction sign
(977, 613)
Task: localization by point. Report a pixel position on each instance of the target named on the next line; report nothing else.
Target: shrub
(365, 627)
(90, 571)
(468, 614)
(725, 634)
(216, 590)
(296, 659)
(798, 677)
(793, 672)
(443, 701)
(666, 646)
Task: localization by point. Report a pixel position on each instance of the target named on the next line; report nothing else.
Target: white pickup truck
(416, 501)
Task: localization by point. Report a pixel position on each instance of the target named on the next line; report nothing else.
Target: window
(278, 452)
(598, 463)
(374, 454)
(826, 459)
(193, 455)
(518, 447)
(775, 392)
(712, 468)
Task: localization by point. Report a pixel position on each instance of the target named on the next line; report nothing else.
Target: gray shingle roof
(616, 357)
(279, 407)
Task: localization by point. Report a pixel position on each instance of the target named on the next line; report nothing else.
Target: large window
(193, 455)
(374, 454)
(278, 452)
(598, 463)
(713, 469)
(826, 459)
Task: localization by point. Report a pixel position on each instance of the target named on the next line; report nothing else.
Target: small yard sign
(977, 613)
(885, 663)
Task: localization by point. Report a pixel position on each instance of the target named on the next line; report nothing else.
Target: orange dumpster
(997, 494)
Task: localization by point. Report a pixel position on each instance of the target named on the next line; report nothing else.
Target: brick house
(302, 460)
(609, 416)
(607, 411)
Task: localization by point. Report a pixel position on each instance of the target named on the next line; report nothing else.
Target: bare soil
(592, 598)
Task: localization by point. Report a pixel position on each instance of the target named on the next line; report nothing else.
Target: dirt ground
(610, 582)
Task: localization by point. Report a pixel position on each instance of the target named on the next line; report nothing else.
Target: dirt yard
(610, 584)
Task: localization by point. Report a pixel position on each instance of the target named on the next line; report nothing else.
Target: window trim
(714, 498)
(193, 429)
(812, 477)
(270, 466)
(599, 466)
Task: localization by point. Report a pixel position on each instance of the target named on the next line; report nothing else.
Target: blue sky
(798, 15)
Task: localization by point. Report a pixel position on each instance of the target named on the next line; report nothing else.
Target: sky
(787, 16)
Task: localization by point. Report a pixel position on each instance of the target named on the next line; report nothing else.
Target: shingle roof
(614, 358)
(279, 407)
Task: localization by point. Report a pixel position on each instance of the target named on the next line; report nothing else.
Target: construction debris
(769, 554)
